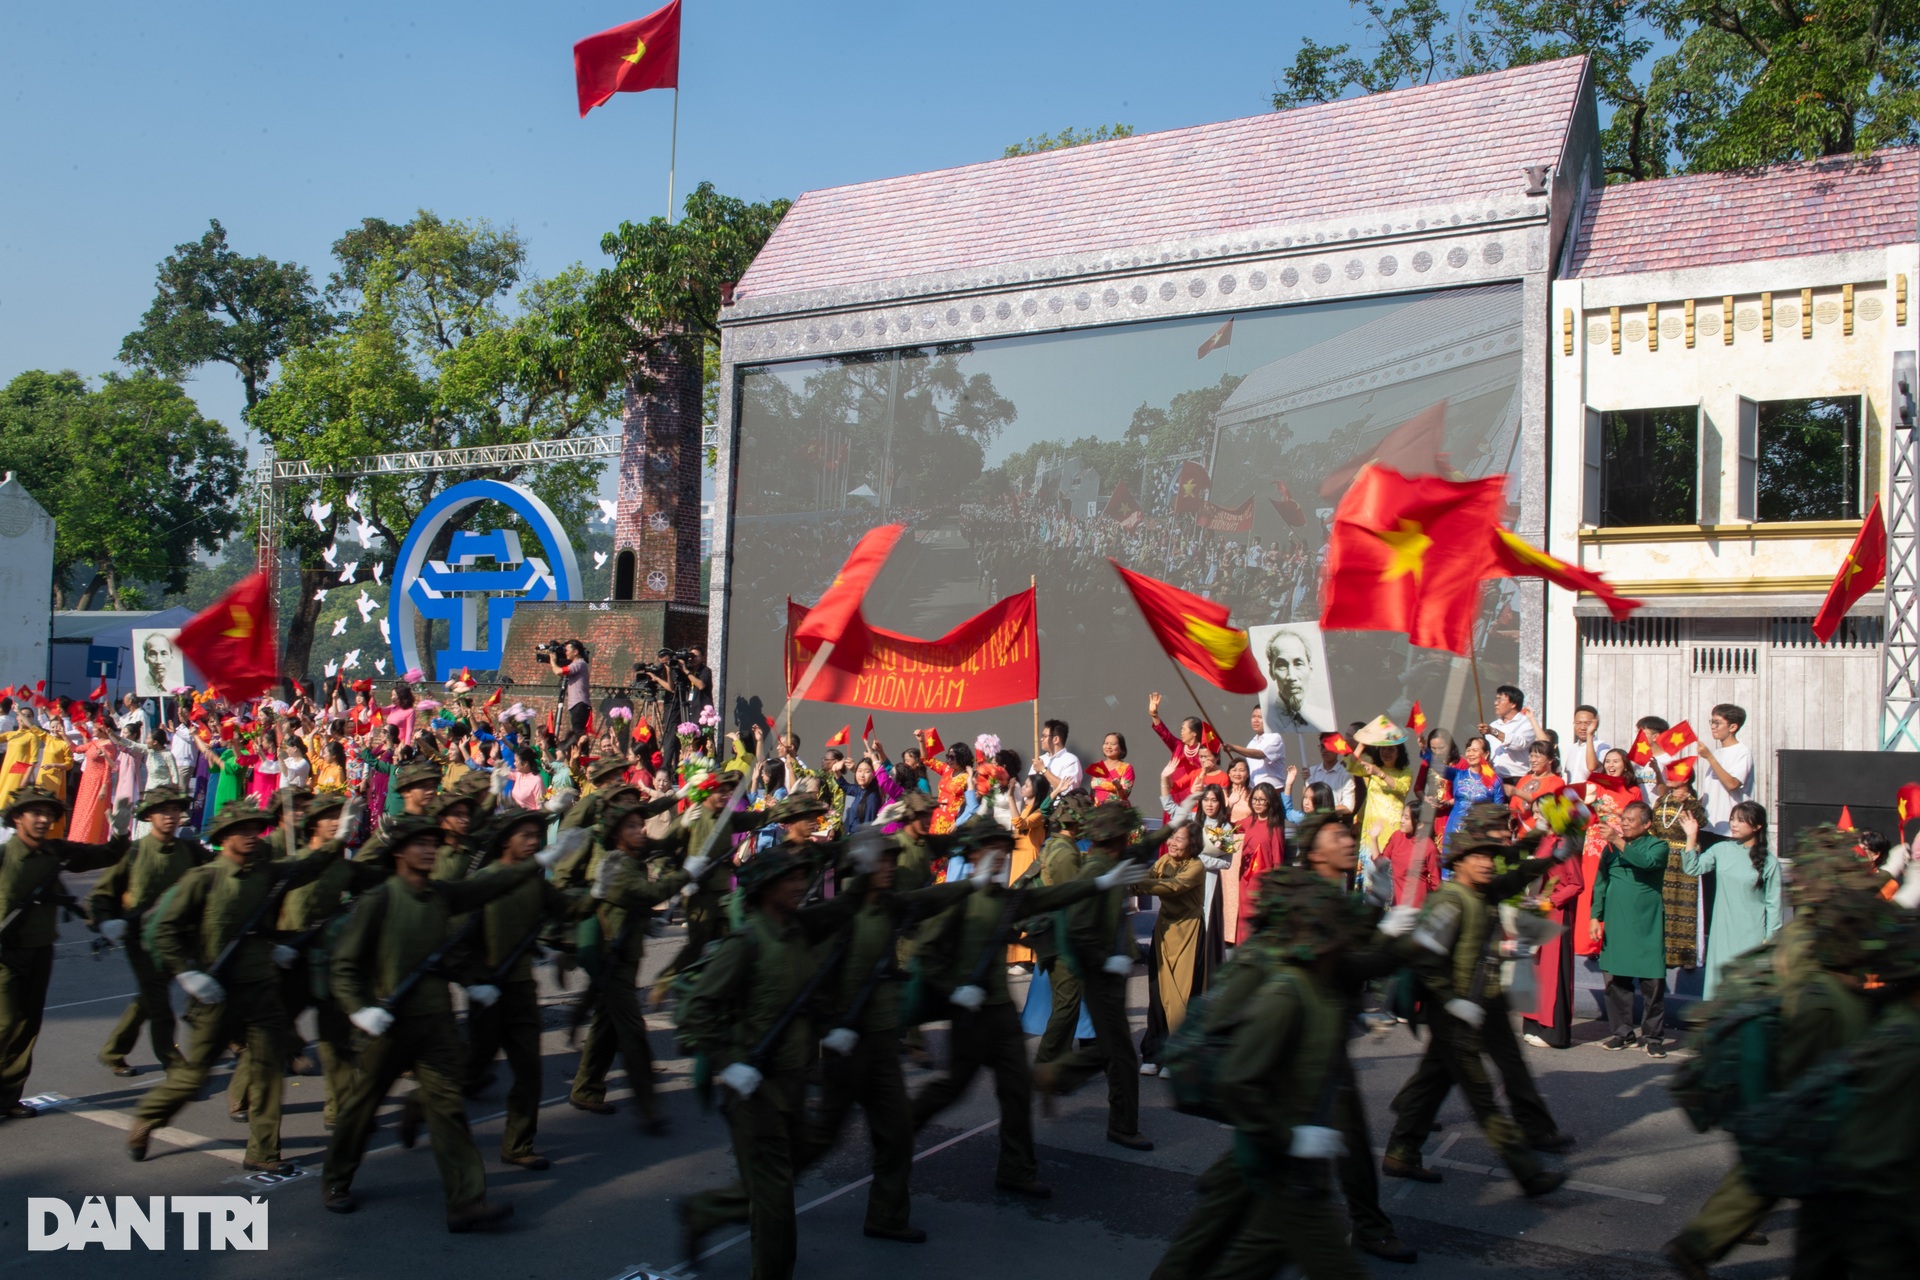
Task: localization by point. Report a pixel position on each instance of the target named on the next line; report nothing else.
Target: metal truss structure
(273, 474)
(1900, 653)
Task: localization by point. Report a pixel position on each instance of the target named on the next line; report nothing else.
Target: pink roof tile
(1461, 140)
(1782, 211)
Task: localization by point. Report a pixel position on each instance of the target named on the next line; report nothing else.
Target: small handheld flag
(1417, 720)
(1678, 739)
(1336, 743)
(841, 738)
(866, 734)
(1640, 754)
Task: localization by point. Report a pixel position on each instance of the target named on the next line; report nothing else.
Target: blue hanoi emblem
(462, 590)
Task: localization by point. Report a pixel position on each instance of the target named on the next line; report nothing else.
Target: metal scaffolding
(1900, 653)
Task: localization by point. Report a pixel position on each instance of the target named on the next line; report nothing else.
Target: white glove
(603, 877)
(121, 819)
(687, 891)
(483, 994)
(1316, 1142)
(1119, 966)
(1908, 894)
(372, 1019)
(1126, 871)
(1398, 920)
(696, 864)
(840, 1040)
(561, 800)
(284, 955)
(564, 846)
(1467, 1011)
(741, 1078)
(350, 815)
(498, 783)
(113, 930)
(202, 987)
(970, 998)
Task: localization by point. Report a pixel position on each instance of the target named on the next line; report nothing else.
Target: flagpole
(1473, 661)
(1033, 585)
(673, 152)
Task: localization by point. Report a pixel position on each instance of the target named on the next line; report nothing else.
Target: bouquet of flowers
(709, 718)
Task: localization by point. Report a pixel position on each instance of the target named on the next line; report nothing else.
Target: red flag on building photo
(630, 58)
(1221, 337)
(1190, 488)
(1417, 447)
(1288, 509)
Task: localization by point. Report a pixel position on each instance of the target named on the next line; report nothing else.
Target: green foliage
(1067, 138)
(1184, 425)
(213, 306)
(1747, 82)
(137, 481)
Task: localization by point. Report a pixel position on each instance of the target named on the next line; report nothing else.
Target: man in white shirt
(1059, 766)
(1728, 777)
(1510, 732)
(1588, 748)
(8, 721)
(1334, 774)
(1266, 755)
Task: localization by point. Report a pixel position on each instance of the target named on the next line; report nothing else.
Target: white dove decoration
(329, 554)
(339, 626)
(599, 559)
(379, 567)
(321, 595)
(320, 511)
(366, 604)
(385, 634)
(353, 502)
(607, 509)
(380, 665)
(332, 669)
(346, 570)
(351, 661)
(363, 530)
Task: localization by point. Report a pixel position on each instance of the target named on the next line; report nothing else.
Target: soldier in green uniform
(1277, 1084)
(503, 961)
(1817, 959)
(296, 797)
(705, 908)
(456, 813)
(628, 884)
(119, 904)
(31, 897)
(416, 784)
(609, 790)
(986, 1028)
(913, 869)
(861, 1063)
(1058, 863)
(1466, 1015)
(1100, 955)
(387, 974)
(216, 939)
(308, 916)
(743, 1014)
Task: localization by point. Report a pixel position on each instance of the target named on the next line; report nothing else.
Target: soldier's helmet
(1302, 915)
(1112, 823)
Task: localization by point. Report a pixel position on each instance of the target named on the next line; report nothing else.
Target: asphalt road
(606, 1207)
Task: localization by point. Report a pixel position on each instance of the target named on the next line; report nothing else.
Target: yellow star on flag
(1409, 543)
(1852, 567)
(1530, 553)
(1223, 644)
(242, 621)
(639, 52)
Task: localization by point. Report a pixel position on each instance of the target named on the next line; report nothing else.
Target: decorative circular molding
(1746, 319)
(1456, 257)
(1633, 331)
(1869, 309)
(1785, 316)
(1826, 312)
(1707, 324)
(1596, 331)
(1423, 261)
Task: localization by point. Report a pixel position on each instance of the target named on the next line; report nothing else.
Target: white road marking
(75, 1004)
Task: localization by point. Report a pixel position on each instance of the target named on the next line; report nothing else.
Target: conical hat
(1382, 732)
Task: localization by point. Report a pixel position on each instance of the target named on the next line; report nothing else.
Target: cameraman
(685, 681)
(569, 662)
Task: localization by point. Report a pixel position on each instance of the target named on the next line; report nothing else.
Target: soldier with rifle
(119, 905)
(31, 899)
(861, 1062)
(456, 811)
(747, 1014)
(1060, 861)
(705, 908)
(502, 961)
(986, 1027)
(415, 784)
(606, 788)
(628, 884)
(389, 973)
(216, 936)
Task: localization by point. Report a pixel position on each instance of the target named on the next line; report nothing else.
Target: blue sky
(127, 126)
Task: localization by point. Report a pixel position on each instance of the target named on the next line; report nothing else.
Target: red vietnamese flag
(1190, 489)
(1907, 804)
(1512, 556)
(1678, 739)
(1416, 720)
(841, 738)
(1336, 743)
(837, 620)
(1487, 776)
(233, 640)
(1413, 448)
(1288, 509)
(930, 744)
(1406, 554)
(1120, 503)
(99, 691)
(1640, 753)
(866, 734)
(1221, 337)
(630, 58)
(1195, 633)
(1860, 572)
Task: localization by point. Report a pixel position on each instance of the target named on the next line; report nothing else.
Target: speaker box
(1815, 785)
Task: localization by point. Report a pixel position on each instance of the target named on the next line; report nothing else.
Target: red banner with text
(990, 660)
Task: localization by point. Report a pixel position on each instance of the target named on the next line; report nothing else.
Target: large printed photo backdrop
(1207, 452)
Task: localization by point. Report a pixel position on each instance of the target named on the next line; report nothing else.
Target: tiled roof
(1461, 140)
(1781, 211)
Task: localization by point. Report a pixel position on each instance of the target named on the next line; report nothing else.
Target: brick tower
(656, 528)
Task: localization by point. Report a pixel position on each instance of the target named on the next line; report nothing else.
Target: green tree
(137, 480)
(1744, 82)
(441, 344)
(213, 306)
(1067, 138)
